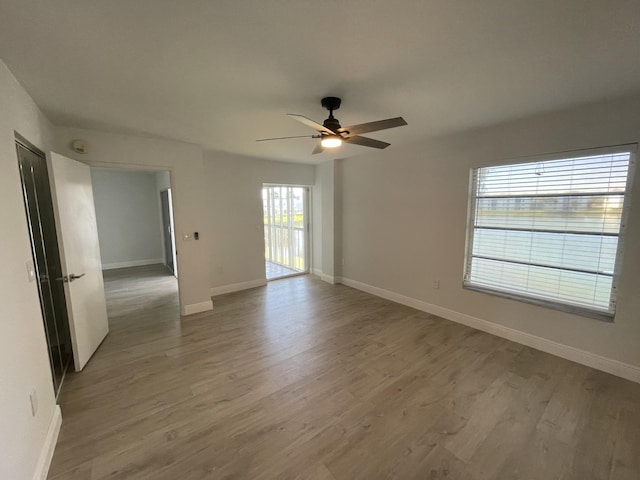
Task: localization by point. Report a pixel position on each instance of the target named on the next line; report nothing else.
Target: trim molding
(132, 263)
(329, 278)
(326, 278)
(46, 454)
(236, 287)
(605, 364)
(197, 308)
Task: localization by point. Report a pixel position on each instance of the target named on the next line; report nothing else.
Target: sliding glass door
(286, 230)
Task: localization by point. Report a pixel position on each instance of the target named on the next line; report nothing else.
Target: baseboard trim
(197, 308)
(324, 277)
(46, 454)
(132, 263)
(236, 287)
(605, 364)
(328, 278)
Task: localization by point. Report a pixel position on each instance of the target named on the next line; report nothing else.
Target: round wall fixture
(80, 146)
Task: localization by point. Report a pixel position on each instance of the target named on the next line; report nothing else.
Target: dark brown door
(46, 257)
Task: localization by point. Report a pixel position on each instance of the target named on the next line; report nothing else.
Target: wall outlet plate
(31, 271)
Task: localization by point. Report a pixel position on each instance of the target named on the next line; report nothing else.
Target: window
(550, 231)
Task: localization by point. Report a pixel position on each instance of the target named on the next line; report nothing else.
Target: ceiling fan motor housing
(331, 104)
(332, 124)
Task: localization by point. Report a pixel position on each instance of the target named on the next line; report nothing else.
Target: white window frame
(554, 303)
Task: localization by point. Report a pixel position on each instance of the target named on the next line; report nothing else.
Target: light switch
(187, 237)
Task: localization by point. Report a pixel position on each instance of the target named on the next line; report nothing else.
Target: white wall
(128, 215)
(24, 363)
(185, 163)
(316, 227)
(405, 213)
(234, 210)
(325, 220)
(338, 219)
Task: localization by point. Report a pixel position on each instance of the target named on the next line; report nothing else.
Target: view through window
(550, 231)
(285, 230)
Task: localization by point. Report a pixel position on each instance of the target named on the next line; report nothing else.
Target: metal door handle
(70, 278)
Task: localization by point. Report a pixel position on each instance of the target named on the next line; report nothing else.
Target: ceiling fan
(332, 135)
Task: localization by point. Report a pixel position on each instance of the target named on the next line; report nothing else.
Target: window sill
(567, 308)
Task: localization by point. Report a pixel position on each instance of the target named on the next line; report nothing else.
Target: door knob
(70, 278)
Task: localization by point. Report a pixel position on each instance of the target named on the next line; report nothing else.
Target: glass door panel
(285, 230)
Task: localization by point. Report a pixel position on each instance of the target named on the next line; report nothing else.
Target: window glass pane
(599, 173)
(544, 283)
(565, 214)
(593, 253)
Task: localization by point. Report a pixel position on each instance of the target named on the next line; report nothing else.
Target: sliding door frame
(306, 189)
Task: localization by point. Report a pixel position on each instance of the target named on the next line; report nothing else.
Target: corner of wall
(236, 287)
(194, 308)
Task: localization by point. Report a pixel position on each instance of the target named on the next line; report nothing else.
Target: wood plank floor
(305, 380)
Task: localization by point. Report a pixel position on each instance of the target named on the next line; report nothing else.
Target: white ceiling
(224, 73)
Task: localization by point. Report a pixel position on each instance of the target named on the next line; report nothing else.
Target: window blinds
(549, 230)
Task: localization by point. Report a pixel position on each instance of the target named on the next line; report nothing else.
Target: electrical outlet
(33, 398)
(31, 271)
(436, 284)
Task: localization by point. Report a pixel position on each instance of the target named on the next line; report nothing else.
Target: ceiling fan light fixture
(332, 135)
(331, 141)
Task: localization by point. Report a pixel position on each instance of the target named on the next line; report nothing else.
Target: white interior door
(79, 255)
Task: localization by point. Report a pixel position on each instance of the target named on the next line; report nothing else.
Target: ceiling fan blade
(284, 138)
(366, 142)
(374, 126)
(318, 149)
(310, 123)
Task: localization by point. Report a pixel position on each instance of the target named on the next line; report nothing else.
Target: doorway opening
(135, 220)
(46, 268)
(286, 230)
